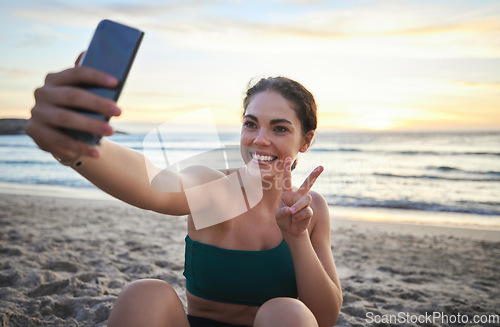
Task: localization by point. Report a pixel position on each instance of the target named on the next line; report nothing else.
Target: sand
(63, 262)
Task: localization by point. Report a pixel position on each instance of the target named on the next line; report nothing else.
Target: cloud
(477, 84)
(15, 73)
(402, 31)
(299, 2)
(73, 14)
(382, 28)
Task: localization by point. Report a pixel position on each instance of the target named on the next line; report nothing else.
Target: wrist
(73, 162)
(304, 235)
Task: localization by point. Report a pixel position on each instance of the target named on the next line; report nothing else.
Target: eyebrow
(272, 122)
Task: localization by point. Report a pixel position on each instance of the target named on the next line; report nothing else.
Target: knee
(147, 290)
(285, 312)
(149, 298)
(147, 287)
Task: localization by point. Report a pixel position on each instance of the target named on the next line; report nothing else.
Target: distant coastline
(13, 126)
(17, 126)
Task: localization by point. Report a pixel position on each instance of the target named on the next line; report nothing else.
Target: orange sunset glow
(376, 65)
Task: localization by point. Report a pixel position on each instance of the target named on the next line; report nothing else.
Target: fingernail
(107, 129)
(115, 111)
(111, 80)
(292, 209)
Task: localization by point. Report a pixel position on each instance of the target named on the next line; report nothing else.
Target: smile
(262, 157)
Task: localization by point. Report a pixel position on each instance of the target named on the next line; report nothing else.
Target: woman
(269, 266)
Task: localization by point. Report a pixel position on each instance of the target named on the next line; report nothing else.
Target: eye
(249, 124)
(281, 129)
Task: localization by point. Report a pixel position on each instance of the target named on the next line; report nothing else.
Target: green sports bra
(241, 277)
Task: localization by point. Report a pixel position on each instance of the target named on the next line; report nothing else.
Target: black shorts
(204, 322)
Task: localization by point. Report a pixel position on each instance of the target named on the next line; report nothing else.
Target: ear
(307, 141)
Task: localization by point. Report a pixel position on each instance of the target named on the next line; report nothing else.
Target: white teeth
(262, 158)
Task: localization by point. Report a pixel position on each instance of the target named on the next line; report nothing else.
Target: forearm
(316, 288)
(122, 173)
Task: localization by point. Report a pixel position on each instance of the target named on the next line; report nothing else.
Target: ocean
(438, 177)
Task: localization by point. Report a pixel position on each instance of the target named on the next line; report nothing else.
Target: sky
(372, 65)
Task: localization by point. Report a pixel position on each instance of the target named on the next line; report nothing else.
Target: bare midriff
(237, 314)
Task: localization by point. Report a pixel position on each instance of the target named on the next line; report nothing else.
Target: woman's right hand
(49, 114)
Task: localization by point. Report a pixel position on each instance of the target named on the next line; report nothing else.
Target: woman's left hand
(294, 212)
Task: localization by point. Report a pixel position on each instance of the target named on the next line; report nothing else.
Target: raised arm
(117, 170)
(303, 211)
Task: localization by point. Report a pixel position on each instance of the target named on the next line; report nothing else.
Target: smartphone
(112, 50)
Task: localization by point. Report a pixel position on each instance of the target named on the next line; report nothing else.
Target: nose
(262, 138)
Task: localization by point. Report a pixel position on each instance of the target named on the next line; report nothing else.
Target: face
(271, 132)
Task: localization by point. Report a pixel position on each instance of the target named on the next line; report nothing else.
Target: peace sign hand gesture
(294, 212)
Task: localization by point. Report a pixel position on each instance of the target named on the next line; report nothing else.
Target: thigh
(148, 302)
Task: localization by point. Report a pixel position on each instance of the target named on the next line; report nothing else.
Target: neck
(270, 187)
(272, 190)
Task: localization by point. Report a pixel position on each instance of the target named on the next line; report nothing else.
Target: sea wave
(18, 145)
(435, 177)
(407, 152)
(446, 153)
(479, 208)
(313, 149)
(75, 183)
(29, 162)
(463, 171)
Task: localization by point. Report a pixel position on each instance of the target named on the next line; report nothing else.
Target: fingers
(294, 220)
(58, 143)
(62, 118)
(50, 113)
(283, 212)
(309, 181)
(68, 96)
(303, 214)
(77, 61)
(301, 211)
(81, 75)
(302, 203)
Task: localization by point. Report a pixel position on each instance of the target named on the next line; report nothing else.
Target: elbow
(331, 314)
(329, 319)
(172, 204)
(338, 305)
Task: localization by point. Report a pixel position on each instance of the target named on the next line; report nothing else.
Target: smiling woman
(285, 224)
(282, 93)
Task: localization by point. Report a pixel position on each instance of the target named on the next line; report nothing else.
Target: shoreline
(417, 229)
(365, 215)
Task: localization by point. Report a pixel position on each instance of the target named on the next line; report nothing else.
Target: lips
(262, 157)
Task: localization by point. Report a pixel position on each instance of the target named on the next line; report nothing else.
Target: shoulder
(321, 212)
(318, 202)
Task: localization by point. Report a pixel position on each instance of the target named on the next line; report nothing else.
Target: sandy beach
(63, 262)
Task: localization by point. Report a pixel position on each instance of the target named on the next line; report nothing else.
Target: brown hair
(303, 100)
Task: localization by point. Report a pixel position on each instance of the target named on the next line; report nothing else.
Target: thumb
(77, 62)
